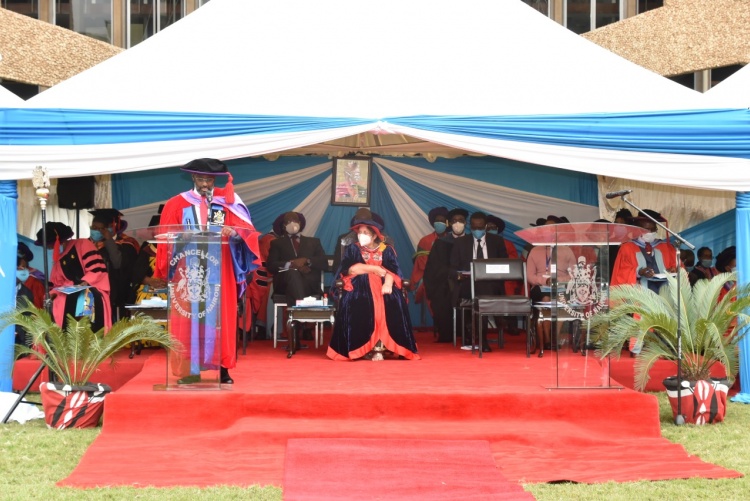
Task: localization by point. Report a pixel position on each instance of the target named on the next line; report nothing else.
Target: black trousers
(296, 285)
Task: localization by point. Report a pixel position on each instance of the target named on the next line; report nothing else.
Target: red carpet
(239, 436)
(344, 469)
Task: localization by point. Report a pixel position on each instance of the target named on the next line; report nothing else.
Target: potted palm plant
(711, 322)
(73, 355)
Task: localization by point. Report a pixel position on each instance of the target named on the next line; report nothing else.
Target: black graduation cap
(24, 252)
(210, 166)
(106, 216)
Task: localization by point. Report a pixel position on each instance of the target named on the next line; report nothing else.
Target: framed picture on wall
(351, 181)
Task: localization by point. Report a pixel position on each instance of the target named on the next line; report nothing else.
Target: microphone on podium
(616, 194)
(209, 199)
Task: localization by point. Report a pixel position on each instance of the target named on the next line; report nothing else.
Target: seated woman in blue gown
(372, 309)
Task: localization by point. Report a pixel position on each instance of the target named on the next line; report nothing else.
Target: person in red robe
(77, 263)
(438, 218)
(641, 260)
(32, 283)
(207, 206)
(256, 297)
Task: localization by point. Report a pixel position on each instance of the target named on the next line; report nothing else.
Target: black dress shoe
(225, 377)
(486, 349)
(541, 353)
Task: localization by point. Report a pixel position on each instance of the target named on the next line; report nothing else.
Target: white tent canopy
(8, 99)
(264, 77)
(337, 58)
(734, 92)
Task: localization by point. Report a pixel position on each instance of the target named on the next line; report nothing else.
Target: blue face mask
(493, 232)
(478, 233)
(22, 275)
(96, 236)
(706, 263)
(439, 226)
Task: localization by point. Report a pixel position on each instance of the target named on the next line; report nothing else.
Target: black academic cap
(106, 216)
(210, 166)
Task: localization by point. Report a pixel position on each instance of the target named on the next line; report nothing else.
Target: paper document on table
(71, 289)
(155, 302)
(663, 276)
(498, 268)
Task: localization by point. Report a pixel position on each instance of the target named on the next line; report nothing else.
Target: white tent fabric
(733, 92)
(337, 58)
(487, 57)
(697, 171)
(8, 99)
(495, 199)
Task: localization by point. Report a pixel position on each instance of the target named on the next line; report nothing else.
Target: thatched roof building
(39, 53)
(682, 37)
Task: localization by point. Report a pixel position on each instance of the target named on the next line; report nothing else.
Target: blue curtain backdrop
(716, 233)
(8, 247)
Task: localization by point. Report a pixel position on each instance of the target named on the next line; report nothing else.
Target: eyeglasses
(199, 179)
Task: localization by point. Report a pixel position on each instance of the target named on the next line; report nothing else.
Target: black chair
(459, 311)
(484, 270)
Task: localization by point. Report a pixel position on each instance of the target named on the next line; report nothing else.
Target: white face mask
(458, 228)
(292, 228)
(364, 239)
(649, 237)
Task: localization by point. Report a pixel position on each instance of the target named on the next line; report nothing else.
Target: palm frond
(74, 354)
(709, 328)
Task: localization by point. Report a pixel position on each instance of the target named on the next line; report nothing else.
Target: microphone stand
(40, 181)
(679, 419)
(209, 200)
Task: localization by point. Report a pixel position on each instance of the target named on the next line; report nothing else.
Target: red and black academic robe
(238, 259)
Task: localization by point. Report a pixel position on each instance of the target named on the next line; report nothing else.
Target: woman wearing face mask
(23, 295)
(704, 270)
(24, 275)
(438, 218)
(372, 308)
(77, 262)
(642, 259)
(726, 262)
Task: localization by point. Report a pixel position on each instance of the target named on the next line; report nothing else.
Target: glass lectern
(578, 289)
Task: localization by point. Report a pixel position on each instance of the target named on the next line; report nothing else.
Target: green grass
(33, 459)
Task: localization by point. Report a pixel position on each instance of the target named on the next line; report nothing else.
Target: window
(148, 17)
(645, 5)
(540, 5)
(92, 18)
(26, 7)
(586, 15)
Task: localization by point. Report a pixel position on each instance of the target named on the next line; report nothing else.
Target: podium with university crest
(578, 271)
(193, 303)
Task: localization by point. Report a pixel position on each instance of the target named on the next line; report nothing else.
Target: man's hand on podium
(228, 231)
